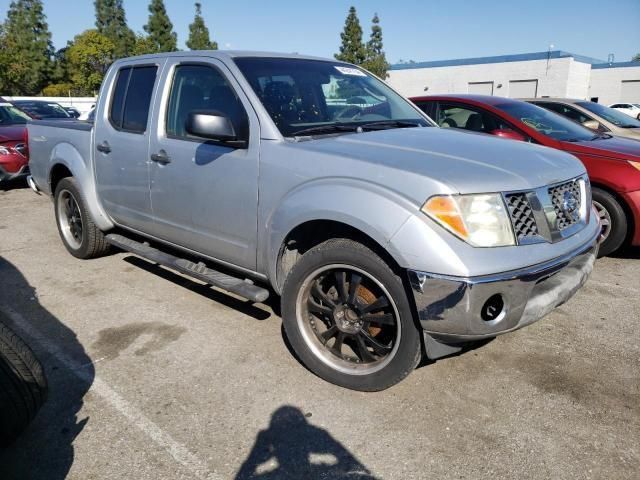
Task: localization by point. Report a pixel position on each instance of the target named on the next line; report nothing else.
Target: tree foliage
(89, 57)
(636, 58)
(352, 50)
(376, 61)
(26, 49)
(199, 33)
(111, 21)
(160, 29)
(143, 45)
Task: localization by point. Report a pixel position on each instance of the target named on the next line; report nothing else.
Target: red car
(14, 161)
(613, 163)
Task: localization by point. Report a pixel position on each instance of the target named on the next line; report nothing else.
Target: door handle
(103, 147)
(161, 157)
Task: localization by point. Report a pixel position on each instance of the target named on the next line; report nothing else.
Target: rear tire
(347, 316)
(80, 236)
(23, 386)
(613, 219)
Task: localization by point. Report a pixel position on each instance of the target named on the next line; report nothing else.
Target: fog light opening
(493, 309)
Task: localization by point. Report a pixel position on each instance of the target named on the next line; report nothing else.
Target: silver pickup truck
(386, 237)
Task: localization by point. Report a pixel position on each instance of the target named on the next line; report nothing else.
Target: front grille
(566, 200)
(524, 223)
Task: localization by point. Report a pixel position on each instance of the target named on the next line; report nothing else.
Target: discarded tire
(23, 386)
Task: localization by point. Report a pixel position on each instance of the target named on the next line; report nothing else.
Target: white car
(631, 109)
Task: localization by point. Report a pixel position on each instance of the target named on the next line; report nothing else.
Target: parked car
(383, 234)
(613, 163)
(73, 111)
(631, 109)
(40, 109)
(592, 115)
(13, 151)
(88, 116)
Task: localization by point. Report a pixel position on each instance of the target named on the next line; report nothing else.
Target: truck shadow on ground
(292, 448)
(45, 450)
(243, 306)
(13, 185)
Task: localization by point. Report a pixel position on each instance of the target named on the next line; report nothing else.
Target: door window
(469, 118)
(565, 111)
(202, 88)
(132, 98)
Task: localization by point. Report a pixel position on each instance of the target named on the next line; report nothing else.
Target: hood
(462, 162)
(12, 133)
(614, 147)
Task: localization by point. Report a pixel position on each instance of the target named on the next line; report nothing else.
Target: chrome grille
(566, 202)
(522, 219)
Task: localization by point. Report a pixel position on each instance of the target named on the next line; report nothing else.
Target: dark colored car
(43, 110)
(613, 163)
(13, 147)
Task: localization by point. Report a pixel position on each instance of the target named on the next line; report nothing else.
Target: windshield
(546, 122)
(306, 97)
(10, 115)
(612, 115)
(44, 109)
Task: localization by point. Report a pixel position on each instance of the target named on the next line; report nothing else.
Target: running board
(200, 271)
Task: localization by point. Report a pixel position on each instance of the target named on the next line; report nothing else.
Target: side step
(200, 271)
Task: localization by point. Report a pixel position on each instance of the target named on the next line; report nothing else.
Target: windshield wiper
(385, 124)
(602, 136)
(324, 129)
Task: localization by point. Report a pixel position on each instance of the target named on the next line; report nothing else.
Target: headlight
(5, 151)
(480, 220)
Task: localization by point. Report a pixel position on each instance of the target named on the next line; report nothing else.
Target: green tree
(89, 58)
(199, 33)
(636, 58)
(376, 61)
(111, 21)
(160, 29)
(143, 45)
(26, 49)
(352, 49)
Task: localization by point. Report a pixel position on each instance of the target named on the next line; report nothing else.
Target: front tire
(347, 316)
(613, 220)
(80, 236)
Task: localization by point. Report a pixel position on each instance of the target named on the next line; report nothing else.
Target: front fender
(68, 155)
(371, 209)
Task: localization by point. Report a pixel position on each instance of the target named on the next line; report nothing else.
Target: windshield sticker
(351, 71)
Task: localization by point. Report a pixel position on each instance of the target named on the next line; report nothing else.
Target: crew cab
(385, 236)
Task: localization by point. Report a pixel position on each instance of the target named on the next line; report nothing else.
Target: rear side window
(132, 98)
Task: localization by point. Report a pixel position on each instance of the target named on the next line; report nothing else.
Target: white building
(540, 74)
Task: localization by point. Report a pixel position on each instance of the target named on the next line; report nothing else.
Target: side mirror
(508, 133)
(213, 125)
(591, 125)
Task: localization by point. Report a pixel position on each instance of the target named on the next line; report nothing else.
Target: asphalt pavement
(155, 376)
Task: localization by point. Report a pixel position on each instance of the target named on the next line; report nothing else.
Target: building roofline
(520, 57)
(615, 65)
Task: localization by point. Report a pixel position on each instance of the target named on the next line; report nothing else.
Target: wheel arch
(631, 220)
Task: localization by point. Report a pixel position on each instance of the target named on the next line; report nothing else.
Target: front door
(122, 145)
(204, 193)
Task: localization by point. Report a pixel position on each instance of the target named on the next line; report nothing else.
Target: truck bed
(53, 141)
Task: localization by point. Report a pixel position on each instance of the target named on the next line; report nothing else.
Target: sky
(419, 30)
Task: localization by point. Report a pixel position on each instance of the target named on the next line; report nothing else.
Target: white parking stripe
(178, 452)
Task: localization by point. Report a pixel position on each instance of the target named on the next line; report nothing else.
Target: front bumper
(450, 309)
(6, 176)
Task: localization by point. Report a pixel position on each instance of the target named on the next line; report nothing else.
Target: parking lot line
(175, 449)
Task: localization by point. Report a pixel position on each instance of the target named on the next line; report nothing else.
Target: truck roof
(226, 54)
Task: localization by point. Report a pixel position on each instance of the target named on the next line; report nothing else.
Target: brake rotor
(367, 297)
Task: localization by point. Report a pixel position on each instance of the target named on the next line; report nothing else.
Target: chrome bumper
(450, 309)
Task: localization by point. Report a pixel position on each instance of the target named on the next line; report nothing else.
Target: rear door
(122, 145)
(204, 193)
